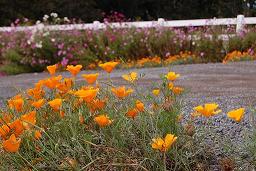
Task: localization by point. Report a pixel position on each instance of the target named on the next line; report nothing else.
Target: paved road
(230, 85)
(235, 80)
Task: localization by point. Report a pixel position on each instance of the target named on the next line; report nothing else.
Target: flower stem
(164, 161)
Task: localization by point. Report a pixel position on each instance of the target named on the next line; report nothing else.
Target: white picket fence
(240, 21)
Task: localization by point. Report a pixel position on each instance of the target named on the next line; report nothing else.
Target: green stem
(164, 161)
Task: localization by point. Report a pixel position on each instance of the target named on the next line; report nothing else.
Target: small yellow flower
(170, 85)
(208, 109)
(163, 144)
(172, 76)
(156, 92)
(237, 114)
(132, 77)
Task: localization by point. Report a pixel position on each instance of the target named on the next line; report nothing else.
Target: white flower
(53, 40)
(38, 22)
(28, 42)
(53, 14)
(66, 19)
(46, 33)
(39, 44)
(45, 18)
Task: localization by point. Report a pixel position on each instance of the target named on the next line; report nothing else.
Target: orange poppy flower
(172, 76)
(38, 135)
(12, 144)
(87, 95)
(208, 109)
(81, 119)
(55, 104)
(36, 92)
(132, 113)
(96, 104)
(90, 78)
(52, 82)
(28, 120)
(5, 118)
(17, 127)
(4, 130)
(236, 114)
(108, 66)
(62, 114)
(163, 144)
(65, 86)
(177, 90)
(52, 69)
(38, 104)
(121, 92)
(74, 70)
(131, 77)
(16, 102)
(139, 106)
(102, 120)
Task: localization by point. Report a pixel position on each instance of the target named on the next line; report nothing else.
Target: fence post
(240, 23)
(160, 22)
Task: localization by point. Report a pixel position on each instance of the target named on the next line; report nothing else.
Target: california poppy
(37, 134)
(65, 86)
(17, 127)
(4, 130)
(38, 104)
(96, 104)
(208, 109)
(12, 144)
(55, 104)
(108, 66)
(74, 70)
(16, 102)
(102, 120)
(36, 92)
(156, 92)
(172, 76)
(131, 77)
(28, 120)
(237, 114)
(139, 106)
(177, 90)
(132, 113)
(52, 82)
(90, 78)
(122, 92)
(163, 144)
(52, 69)
(87, 95)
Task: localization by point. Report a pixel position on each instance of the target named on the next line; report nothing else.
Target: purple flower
(64, 62)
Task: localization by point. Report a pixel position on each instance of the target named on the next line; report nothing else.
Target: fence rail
(240, 21)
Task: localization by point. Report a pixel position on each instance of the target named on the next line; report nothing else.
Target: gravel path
(231, 86)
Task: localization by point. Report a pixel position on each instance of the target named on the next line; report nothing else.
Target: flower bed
(19, 52)
(57, 125)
